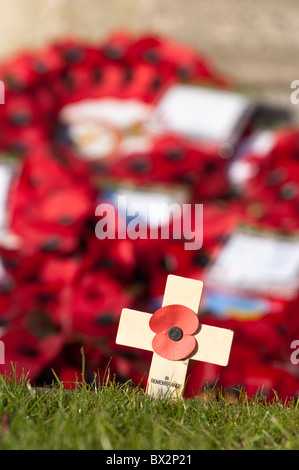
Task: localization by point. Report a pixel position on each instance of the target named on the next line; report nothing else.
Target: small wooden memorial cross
(175, 336)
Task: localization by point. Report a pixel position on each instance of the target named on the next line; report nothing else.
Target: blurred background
(255, 42)
(254, 45)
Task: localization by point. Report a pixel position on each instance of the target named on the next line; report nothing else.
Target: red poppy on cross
(175, 336)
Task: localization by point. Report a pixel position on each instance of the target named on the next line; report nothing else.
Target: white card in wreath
(258, 262)
(201, 113)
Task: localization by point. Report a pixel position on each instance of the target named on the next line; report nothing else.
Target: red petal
(174, 315)
(173, 350)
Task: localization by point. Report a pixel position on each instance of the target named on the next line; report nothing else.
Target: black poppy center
(175, 333)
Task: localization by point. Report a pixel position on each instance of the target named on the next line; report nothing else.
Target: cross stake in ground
(175, 336)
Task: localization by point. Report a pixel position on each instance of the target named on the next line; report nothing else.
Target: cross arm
(213, 345)
(134, 330)
(183, 291)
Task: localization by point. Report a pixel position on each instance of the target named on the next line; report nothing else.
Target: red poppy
(97, 304)
(174, 326)
(28, 354)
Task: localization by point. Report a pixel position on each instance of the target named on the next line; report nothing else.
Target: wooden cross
(213, 344)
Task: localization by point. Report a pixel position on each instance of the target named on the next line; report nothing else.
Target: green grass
(121, 417)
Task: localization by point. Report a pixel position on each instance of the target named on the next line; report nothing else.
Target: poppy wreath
(61, 287)
(274, 182)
